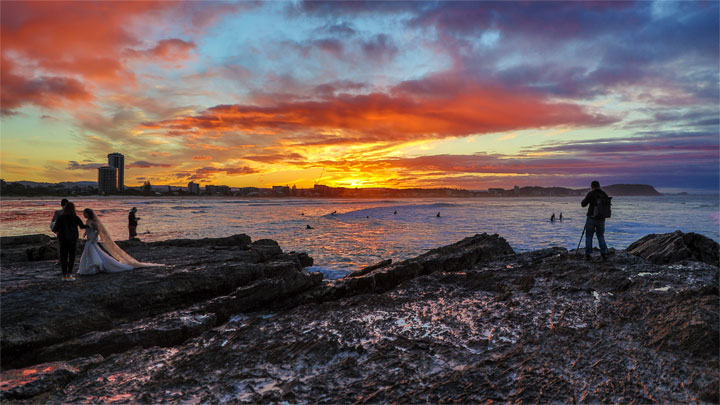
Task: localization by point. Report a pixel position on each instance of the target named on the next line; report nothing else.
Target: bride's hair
(90, 214)
(69, 209)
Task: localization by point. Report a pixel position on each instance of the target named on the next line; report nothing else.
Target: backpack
(602, 207)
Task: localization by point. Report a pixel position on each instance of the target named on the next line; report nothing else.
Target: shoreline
(229, 316)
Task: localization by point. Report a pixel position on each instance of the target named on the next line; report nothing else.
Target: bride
(94, 260)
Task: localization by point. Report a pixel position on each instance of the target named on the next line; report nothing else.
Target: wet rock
(676, 246)
(164, 330)
(29, 382)
(687, 322)
(36, 247)
(48, 251)
(8, 255)
(458, 256)
(267, 248)
(235, 240)
(467, 323)
(368, 269)
(553, 333)
(45, 317)
(9, 242)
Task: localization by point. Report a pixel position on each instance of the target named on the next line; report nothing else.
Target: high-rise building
(118, 160)
(107, 179)
(193, 188)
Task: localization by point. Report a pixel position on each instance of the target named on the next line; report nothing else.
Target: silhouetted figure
(552, 217)
(395, 213)
(309, 227)
(302, 213)
(438, 215)
(133, 223)
(561, 217)
(595, 222)
(334, 212)
(66, 228)
(57, 213)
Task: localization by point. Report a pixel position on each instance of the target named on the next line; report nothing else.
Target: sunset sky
(393, 94)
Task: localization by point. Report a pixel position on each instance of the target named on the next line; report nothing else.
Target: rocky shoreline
(228, 319)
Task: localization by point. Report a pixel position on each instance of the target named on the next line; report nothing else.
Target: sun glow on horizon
(380, 94)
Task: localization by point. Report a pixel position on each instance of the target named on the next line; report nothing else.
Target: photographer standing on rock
(598, 210)
(133, 223)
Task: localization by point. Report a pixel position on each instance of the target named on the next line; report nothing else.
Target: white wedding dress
(95, 260)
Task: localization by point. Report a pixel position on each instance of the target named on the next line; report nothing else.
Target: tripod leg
(580, 241)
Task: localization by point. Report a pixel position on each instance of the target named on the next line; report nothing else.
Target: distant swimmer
(334, 212)
(309, 227)
(302, 213)
(395, 213)
(552, 217)
(438, 215)
(561, 215)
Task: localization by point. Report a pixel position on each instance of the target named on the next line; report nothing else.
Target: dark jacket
(55, 217)
(591, 199)
(66, 227)
(132, 221)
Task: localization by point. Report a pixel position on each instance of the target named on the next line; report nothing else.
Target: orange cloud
(43, 91)
(202, 157)
(144, 164)
(67, 49)
(167, 49)
(61, 36)
(400, 116)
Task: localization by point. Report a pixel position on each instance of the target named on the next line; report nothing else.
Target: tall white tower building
(118, 160)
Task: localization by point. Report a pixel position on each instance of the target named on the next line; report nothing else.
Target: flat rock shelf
(231, 320)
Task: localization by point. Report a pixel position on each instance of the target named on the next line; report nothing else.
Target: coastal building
(281, 190)
(217, 190)
(193, 188)
(321, 189)
(107, 179)
(118, 160)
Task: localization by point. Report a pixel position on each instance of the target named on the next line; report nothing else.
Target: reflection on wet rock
(469, 322)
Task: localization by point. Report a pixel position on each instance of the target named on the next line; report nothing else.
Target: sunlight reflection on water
(366, 231)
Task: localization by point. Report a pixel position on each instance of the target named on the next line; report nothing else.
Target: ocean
(363, 232)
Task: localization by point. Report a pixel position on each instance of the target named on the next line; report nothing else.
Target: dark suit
(132, 225)
(66, 228)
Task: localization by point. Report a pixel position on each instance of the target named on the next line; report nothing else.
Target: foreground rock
(24, 248)
(541, 326)
(676, 246)
(109, 313)
(384, 276)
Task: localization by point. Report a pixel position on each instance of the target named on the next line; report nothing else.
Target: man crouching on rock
(598, 210)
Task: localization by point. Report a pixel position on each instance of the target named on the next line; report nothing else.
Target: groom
(66, 228)
(55, 217)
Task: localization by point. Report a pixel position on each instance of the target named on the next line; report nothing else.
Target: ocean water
(363, 232)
